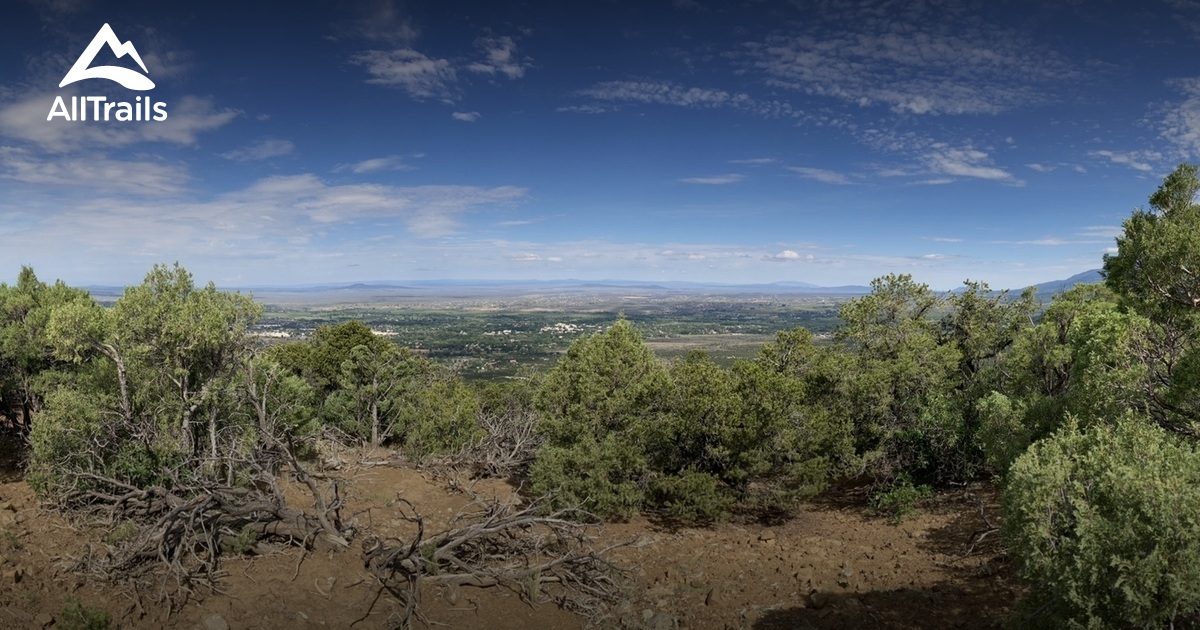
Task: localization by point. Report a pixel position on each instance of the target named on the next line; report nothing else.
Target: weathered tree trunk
(375, 422)
(212, 432)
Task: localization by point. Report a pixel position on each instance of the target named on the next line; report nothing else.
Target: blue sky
(745, 142)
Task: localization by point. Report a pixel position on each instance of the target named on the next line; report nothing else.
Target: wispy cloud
(820, 175)
(189, 116)
(378, 20)
(678, 255)
(913, 60)
(728, 178)
(754, 161)
(1133, 159)
(1050, 241)
(1181, 122)
(500, 57)
(374, 165)
(261, 150)
(465, 116)
(1102, 231)
(665, 93)
(1089, 235)
(290, 214)
(588, 109)
(425, 77)
(98, 174)
(942, 239)
(933, 181)
(965, 162)
(937, 162)
(420, 76)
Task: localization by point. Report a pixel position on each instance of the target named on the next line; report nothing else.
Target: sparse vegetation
(163, 418)
(76, 616)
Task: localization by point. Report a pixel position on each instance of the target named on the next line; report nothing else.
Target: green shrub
(240, 544)
(692, 497)
(1002, 434)
(899, 498)
(1103, 524)
(601, 477)
(439, 415)
(597, 407)
(625, 433)
(76, 616)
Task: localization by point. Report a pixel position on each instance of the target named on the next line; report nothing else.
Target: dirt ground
(830, 566)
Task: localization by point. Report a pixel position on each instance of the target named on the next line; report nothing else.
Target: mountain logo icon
(126, 77)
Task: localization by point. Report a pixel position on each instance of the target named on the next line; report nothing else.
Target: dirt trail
(831, 566)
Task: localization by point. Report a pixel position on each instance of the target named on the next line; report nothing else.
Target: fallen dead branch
(542, 558)
(173, 536)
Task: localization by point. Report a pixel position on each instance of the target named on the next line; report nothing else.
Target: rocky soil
(833, 565)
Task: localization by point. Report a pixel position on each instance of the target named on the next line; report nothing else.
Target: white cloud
(525, 257)
(677, 255)
(728, 178)
(97, 174)
(965, 162)
(934, 181)
(914, 60)
(941, 239)
(379, 20)
(282, 229)
(374, 165)
(588, 109)
(1102, 231)
(1132, 159)
(261, 150)
(1181, 122)
(404, 68)
(820, 175)
(754, 161)
(188, 116)
(500, 57)
(789, 255)
(1041, 168)
(465, 116)
(664, 93)
(290, 206)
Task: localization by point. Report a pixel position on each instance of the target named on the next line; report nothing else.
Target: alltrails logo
(141, 109)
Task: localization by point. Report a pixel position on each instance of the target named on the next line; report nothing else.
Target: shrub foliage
(1103, 523)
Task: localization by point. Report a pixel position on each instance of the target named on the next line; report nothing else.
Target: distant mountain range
(497, 288)
(1050, 289)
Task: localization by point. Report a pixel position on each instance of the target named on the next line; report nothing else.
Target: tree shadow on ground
(973, 532)
(980, 591)
(941, 606)
(14, 453)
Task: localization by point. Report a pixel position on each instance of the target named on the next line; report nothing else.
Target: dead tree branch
(490, 543)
